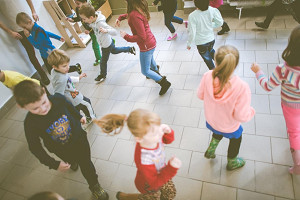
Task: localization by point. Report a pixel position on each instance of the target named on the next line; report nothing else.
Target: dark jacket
(168, 6)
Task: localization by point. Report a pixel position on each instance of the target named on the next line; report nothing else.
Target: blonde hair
(58, 57)
(87, 10)
(23, 18)
(226, 58)
(139, 122)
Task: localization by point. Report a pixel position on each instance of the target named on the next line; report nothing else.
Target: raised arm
(34, 15)
(140, 29)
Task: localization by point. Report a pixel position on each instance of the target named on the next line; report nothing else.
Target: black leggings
(234, 145)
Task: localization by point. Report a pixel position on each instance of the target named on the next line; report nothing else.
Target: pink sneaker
(186, 23)
(172, 38)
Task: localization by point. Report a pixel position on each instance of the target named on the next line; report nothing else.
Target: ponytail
(227, 58)
(111, 122)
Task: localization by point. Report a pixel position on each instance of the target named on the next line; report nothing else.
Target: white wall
(12, 54)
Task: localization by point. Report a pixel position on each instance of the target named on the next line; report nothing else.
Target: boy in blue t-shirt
(40, 39)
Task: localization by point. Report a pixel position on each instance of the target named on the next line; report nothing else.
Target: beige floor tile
(16, 131)
(244, 34)
(275, 104)
(2, 192)
(270, 125)
(251, 83)
(103, 107)
(123, 152)
(165, 56)
(247, 195)
(196, 102)
(103, 147)
(166, 112)
(281, 153)
(240, 178)
(279, 198)
(187, 117)
(266, 56)
(260, 103)
(192, 82)
(265, 34)
(256, 44)
(5, 168)
(278, 175)
(162, 45)
(119, 78)
(136, 79)
(249, 127)
(5, 124)
(239, 70)
(124, 179)
(103, 91)
(212, 192)
(189, 68)
(229, 36)
(178, 136)
(260, 90)
(277, 44)
(296, 183)
(16, 114)
(183, 155)
(170, 67)
(121, 92)
(192, 192)
(157, 99)
(202, 120)
(249, 73)
(139, 94)
(283, 33)
(195, 139)
(106, 171)
(196, 55)
(10, 196)
(247, 56)
(208, 170)
(255, 147)
(239, 44)
(146, 106)
(183, 55)
(290, 23)
(181, 97)
(10, 149)
(78, 190)
(177, 80)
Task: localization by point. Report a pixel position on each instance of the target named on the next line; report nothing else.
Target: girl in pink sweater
(227, 102)
(288, 76)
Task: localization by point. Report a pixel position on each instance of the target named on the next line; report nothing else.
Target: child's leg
(177, 20)
(225, 28)
(207, 53)
(86, 107)
(234, 162)
(75, 68)
(48, 67)
(95, 46)
(146, 59)
(168, 191)
(210, 152)
(104, 60)
(117, 50)
(168, 20)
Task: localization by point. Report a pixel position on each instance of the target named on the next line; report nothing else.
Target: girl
(217, 4)
(201, 26)
(88, 30)
(288, 76)
(169, 8)
(153, 178)
(138, 16)
(226, 103)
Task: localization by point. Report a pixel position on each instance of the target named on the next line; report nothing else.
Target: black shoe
(45, 80)
(157, 71)
(165, 85)
(262, 25)
(74, 167)
(99, 193)
(100, 78)
(132, 51)
(78, 68)
(225, 29)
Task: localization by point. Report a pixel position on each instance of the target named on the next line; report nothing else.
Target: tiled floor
(265, 145)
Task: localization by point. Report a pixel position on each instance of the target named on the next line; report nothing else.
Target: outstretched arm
(34, 15)
(13, 34)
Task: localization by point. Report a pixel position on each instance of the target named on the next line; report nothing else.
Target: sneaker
(97, 62)
(100, 78)
(45, 80)
(74, 167)
(99, 193)
(186, 23)
(172, 37)
(78, 68)
(132, 51)
(262, 25)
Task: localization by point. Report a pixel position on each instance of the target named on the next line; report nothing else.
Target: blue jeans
(148, 64)
(207, 52)
(105, 55)
(169, 18)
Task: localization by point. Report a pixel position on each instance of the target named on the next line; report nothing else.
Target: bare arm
(14, 34)
(34, 15)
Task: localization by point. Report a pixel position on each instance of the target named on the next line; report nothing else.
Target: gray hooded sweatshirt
(63, 84)
(104, 39)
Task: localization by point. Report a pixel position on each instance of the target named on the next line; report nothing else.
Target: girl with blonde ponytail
(153, 178)
(227, 102)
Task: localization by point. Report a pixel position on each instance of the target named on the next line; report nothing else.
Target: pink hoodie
(225, 111)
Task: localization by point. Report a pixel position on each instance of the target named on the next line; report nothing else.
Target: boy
(103, 32)
(63, 84)
(40, 39)
(58, 124)
(202, 22)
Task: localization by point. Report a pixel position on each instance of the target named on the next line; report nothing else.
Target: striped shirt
(289, 79)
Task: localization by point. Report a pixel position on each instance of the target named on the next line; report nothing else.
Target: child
(138, 19)
(11, 78)
(227, 102)
(169, 8)
(217, 4)
(47, 196)
(288, 76)
(103, 32)
(153, 177)
(58, 124)
(40, 39)
(88, 30)
(63, 84)
(201, 26)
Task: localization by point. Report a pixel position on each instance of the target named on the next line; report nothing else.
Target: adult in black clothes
(293, 6)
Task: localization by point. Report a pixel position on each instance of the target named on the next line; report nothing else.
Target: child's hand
(123, 33)
(35, 16)
(62, 39)
(16, 35)
(117, 24)
(26, 33)
(166, 129)
(83, 120)
(188, 48)
(86, 32)
(255, 68)
(63, 166)
(175, 162)
(82, 75)
(103, 30)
